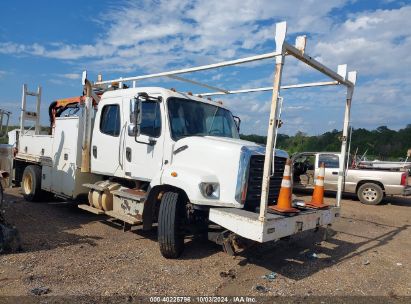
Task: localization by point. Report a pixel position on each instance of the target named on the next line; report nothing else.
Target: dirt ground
(72, 252)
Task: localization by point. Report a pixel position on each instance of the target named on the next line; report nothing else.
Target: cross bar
(198, 83)
(316, 64)
(194, 69)
(263, 89)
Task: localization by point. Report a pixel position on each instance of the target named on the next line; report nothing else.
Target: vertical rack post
(2, 113)
(352, 76)
(38, 97)
(23, 108)
(7, 122)
(281, 30)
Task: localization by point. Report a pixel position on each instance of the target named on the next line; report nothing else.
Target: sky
(49, 43)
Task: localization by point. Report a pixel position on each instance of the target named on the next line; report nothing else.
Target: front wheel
(171, 225)
(370, 194)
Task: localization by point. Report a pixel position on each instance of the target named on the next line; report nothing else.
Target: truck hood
(221, 144)
(211, 159)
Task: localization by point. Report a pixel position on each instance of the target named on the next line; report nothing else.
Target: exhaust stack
(88, 104)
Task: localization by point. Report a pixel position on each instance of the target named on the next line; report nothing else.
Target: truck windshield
(194, 118)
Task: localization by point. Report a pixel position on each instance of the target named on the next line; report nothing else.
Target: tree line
(381, 143)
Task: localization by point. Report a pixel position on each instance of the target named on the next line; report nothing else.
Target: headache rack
(263, 226)
(4, 122)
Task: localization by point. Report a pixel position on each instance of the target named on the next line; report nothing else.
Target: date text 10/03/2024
(203, 299)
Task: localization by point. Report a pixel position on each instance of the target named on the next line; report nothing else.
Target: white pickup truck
(370, 185)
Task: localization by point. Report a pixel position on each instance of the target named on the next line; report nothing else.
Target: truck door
(143, 156)
(107, 136)
(332, 163)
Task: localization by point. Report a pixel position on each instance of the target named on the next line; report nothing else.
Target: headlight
(210, 190)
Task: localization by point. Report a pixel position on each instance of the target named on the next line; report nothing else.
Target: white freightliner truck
(147, 155)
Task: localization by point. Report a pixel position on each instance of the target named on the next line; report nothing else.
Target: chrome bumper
(407, 191)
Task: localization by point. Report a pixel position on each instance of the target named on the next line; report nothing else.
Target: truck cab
(177, 140)
(306, 166)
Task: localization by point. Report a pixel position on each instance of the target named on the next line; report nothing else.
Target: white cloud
(202, 28)
(16, 49)
(71, 76)
(375, 43)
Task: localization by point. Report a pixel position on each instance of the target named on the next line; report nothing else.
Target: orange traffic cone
(284, 198)
(317, 201)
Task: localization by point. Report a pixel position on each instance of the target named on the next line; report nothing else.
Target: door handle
(94, 151)
(128, 154)
(335, 173)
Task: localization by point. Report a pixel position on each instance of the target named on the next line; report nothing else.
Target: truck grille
(255, 180)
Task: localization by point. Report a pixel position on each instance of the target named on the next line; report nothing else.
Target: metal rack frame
(283, 49)
(4, 122)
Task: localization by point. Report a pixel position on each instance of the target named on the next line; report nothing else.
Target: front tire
(370, 194)
(171, 225)
(31, 183)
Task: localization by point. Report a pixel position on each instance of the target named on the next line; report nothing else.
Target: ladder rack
(282, 49)
(30, 115)
(4, 124)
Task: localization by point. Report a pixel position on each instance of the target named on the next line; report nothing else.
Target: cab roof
(156, 91)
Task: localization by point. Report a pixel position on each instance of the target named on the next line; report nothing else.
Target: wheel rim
(27, 184)
(370, 194)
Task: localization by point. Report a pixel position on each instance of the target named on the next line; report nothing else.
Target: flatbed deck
(248, 225)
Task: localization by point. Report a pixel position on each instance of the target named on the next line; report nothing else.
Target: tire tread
(35, 171)
(169, 237)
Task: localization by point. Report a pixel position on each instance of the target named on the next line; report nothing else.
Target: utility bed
(59, 156)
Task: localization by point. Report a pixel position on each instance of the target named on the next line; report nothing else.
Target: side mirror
(135, 117)
(139, 116)
(237, 121)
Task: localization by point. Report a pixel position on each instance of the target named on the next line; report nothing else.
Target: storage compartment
(46, 178)
(32, 146)
(129, 202)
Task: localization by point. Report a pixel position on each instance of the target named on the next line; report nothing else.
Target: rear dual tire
(31, 183)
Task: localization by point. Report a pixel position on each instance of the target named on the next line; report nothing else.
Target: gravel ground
(67, 251)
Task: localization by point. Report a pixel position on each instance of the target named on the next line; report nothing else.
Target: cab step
(91, 209)
(133, 194)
